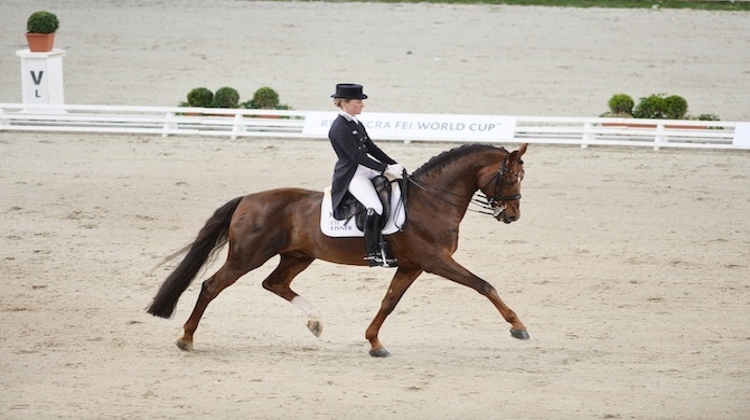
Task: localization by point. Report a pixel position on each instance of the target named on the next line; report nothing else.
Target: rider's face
(353, 106)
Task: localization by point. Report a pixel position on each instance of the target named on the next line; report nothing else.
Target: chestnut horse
(286, 222)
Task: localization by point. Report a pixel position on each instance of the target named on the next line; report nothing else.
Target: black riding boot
(378, 253)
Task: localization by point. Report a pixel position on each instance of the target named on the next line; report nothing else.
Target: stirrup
(385, 258)
(377, 260)
(373, 261)
(389, 262)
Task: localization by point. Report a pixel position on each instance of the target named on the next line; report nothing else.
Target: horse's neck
(456, 186)
(452, 187)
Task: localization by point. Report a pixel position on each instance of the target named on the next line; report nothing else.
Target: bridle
(481, 200)
(497, 202)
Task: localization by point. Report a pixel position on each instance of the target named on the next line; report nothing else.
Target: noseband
(498, 202)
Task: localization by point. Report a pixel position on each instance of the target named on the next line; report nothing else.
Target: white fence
(236, 123)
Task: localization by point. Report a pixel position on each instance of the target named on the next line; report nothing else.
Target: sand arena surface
(628, 266)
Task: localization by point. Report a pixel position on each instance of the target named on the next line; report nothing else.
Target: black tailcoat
(353, 147)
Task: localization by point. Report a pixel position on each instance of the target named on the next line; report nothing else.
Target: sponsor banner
(741, 134)
(396, 126)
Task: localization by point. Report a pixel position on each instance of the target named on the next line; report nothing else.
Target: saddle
(351, 208)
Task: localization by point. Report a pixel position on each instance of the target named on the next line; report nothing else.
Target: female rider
(359, 161)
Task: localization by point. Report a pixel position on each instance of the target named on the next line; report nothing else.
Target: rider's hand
(396, 170)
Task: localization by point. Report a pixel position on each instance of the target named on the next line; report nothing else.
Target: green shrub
(265, 98)
(655, 106)
(226, 97)
(200, 97)
(708, 117)
(621, 104)
(42, 23)
(675, 107)
(650, 107)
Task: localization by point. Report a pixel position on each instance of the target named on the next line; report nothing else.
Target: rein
(479, 199)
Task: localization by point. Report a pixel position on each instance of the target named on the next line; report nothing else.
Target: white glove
(395, 170)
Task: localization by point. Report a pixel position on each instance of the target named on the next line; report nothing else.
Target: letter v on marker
(35, 79)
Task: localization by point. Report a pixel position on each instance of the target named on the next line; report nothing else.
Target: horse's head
(502, 186)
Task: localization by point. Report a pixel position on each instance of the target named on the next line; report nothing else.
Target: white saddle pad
(348, 229)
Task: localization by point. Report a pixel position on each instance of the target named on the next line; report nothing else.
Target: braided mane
(443, 159)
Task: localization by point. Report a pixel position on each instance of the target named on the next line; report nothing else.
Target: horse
(286, 222)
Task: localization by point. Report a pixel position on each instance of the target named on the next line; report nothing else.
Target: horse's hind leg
(279, 280)
(225, 277)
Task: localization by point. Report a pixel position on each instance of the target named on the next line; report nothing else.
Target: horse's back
(279, 202)
(286, 195)
(275, 213)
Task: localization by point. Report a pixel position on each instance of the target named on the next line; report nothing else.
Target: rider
(359, 161)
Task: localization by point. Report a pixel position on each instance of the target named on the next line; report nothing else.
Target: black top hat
(349, 91)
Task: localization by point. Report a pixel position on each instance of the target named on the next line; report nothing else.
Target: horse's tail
(211, 239)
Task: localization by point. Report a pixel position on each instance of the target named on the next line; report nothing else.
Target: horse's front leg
(451, 270)
(401, 281)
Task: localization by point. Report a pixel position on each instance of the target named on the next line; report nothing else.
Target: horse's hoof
(381, 352)
(519, 334)
(184, 345)
(315, 327)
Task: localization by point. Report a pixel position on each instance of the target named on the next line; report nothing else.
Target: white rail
(152, 120)
(236, 123)
(628, 132)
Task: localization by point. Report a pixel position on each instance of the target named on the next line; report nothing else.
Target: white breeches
(362, 189)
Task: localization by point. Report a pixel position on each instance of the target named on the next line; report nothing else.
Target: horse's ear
(516, 154)
(522, 149)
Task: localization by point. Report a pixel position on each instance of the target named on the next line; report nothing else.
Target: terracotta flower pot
(40, 42)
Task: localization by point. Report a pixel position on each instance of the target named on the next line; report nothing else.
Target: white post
(169, 124)
(660, 136)
(588, 135)
(238, 127)
(42, 79)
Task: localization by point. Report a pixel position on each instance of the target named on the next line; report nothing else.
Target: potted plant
(621, 105)
(675, 107)
(265, 98)
(200, 97)
(40, 31)
(652, 107)
(226, 97)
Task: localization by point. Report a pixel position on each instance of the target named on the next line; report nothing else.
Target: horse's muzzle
(507, 218)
